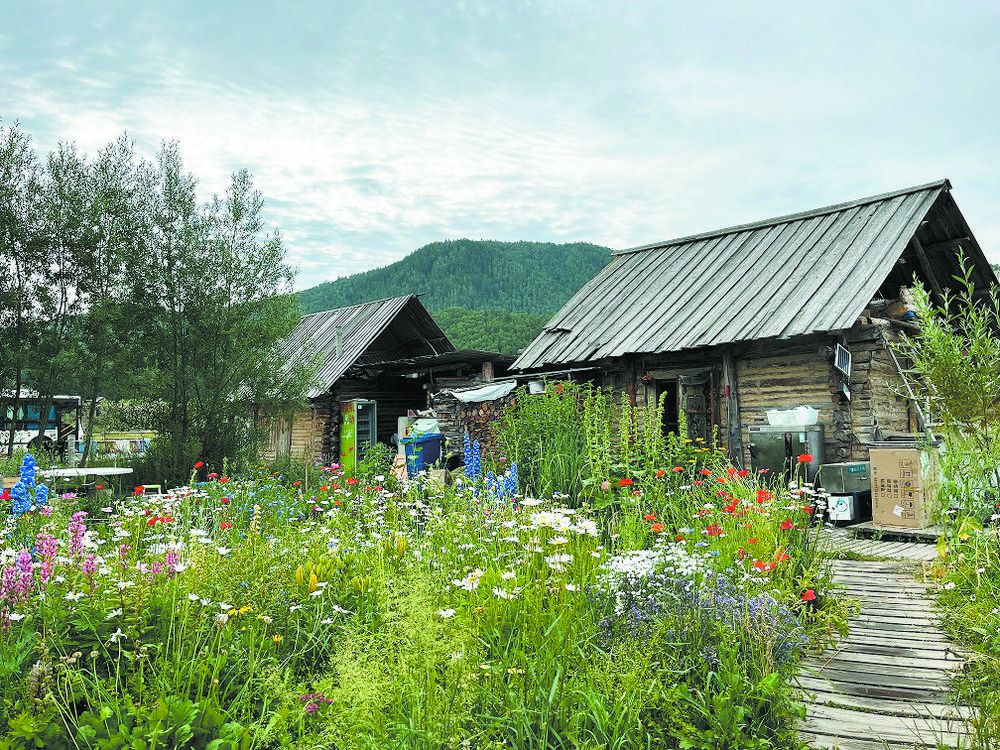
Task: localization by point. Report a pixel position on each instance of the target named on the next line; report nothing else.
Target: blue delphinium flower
(510, 481)
(28, 471)
(21, 502)
(41, 496)
(473, 457)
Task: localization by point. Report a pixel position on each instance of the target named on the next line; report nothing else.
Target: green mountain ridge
(484, 294)
(524, 277)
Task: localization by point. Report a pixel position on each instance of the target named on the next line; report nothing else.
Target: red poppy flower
(226, 525)
(731, 471)
(100, 487)
(350, 481)
(786, 525)
(680, 537)
(714, 530)
(752, 540)
(677, 468)
(650, 516)
(213, 475)
(199, 464)
(763, 496)
(723, 480)
(661, 472)
(224, 501)
(780, 556)
(743, 473)
(808, 595)
(139, 490)
(805, 458)
(697, 481)
(625, 483)
(657, 528)
(224, 479)
(338, 501)
(324, 488)
(705, 472)
(296, 484)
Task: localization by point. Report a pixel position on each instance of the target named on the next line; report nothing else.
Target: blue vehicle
(62, 423)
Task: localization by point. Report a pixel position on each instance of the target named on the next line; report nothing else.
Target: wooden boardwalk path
(840, 540)
(885, 685)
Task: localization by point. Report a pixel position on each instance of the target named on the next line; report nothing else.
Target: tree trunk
(14, 409)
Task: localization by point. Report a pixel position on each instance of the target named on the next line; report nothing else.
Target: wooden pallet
(885, 685)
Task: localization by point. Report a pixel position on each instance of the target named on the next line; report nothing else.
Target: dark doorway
(671, 415)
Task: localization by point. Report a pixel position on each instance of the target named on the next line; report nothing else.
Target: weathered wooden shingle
(808, 272)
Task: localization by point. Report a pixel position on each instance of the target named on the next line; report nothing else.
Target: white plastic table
(97, 471)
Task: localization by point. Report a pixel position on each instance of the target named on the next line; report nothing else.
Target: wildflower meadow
(662, 602)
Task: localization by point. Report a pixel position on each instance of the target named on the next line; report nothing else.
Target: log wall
(298, 435)
(456, 418)
(783, 375)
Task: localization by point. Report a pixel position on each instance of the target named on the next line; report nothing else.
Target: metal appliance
(853, 507)
(778, 448)
(850, 488)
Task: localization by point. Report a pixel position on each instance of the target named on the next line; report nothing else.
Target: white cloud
(616, 127)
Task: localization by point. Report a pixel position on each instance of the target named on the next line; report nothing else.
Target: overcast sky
(373, 128)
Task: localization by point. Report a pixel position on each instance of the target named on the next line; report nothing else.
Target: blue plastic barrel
(421, 452)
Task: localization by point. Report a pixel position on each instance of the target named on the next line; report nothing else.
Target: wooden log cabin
(390, 352)
(729, 324)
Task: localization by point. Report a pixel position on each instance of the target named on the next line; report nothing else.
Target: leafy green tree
(220, 304)
(67, 236)
(109, 354)
(20, 265)
(955, 369)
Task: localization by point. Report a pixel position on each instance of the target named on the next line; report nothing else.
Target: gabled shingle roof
(378, 331)
(803, 273)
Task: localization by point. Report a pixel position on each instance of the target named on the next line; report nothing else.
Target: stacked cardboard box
(904, 486)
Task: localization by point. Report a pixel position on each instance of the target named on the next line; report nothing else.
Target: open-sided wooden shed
(388, 351)
(732, 323)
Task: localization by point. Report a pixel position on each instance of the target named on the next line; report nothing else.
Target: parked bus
(62, 424)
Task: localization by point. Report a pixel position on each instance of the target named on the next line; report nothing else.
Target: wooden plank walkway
(885, 685)
(842, 540)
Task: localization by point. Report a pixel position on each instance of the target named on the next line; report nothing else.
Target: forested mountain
(484, 294)
(526, 277)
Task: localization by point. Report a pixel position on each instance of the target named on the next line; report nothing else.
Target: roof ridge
(944, 183)
(359, 304)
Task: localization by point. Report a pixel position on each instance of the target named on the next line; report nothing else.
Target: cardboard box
(904, 486)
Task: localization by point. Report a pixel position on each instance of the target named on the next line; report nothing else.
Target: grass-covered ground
(256, 612)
